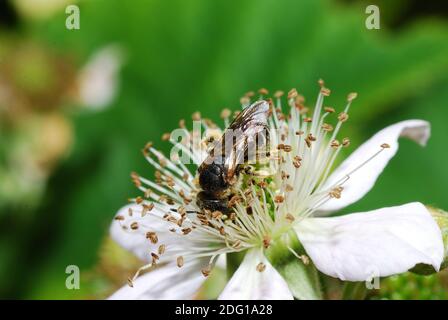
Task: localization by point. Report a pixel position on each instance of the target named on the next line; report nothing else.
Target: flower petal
(166, 282)
(136, 240)
(382, 242)
(247, 283)
(362, 180)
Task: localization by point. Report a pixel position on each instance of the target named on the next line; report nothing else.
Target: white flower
(286, 197)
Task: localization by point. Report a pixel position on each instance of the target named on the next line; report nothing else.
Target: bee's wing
(247, 133)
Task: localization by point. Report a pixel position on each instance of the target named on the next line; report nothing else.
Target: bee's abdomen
(207, 201)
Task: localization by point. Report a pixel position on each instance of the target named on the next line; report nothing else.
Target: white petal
(382, 242)
(166, 282)
(362, 180)
(249, 284)
(135, 240)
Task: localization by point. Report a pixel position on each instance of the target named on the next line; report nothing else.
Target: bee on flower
(269, 178)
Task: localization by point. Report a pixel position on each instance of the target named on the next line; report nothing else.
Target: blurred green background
(65, 159)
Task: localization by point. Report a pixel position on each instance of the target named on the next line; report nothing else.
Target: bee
(239, 144)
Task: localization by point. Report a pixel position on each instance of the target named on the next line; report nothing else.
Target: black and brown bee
(242, 142)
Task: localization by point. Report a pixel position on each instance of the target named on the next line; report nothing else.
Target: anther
(345, 142)
(216, 214)
(206, 271)
(244, 100)
(166, 136)
(296, 163)
(136, 179)
(325, 91)
(279, 199)
(138, 200)
(335, 144)
(196, 116)
(385, 146)
(278, 94)
(343, 116)
(321, 83)
(152, 236)
(180, 261)
(329, 109)
(263, 91)
(154, 256)
(327, 127)
(148, 145)
(134, 225)
(287, 148)
(266, 241)
(305, 259)
(261, 267)
(351, 96)
(225, 113)
(336, 192)
(292, 93)
(290, 218)
(161, 249)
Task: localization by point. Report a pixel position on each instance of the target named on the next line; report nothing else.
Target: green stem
(354, 291)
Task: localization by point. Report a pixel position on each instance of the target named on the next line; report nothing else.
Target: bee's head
(211, 178)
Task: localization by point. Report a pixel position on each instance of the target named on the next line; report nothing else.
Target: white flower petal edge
(382, 242)
(165, 283)
(247, 283)
(363, 179)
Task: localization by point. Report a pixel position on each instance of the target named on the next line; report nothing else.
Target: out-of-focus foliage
(411, 286)
(184, 56)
